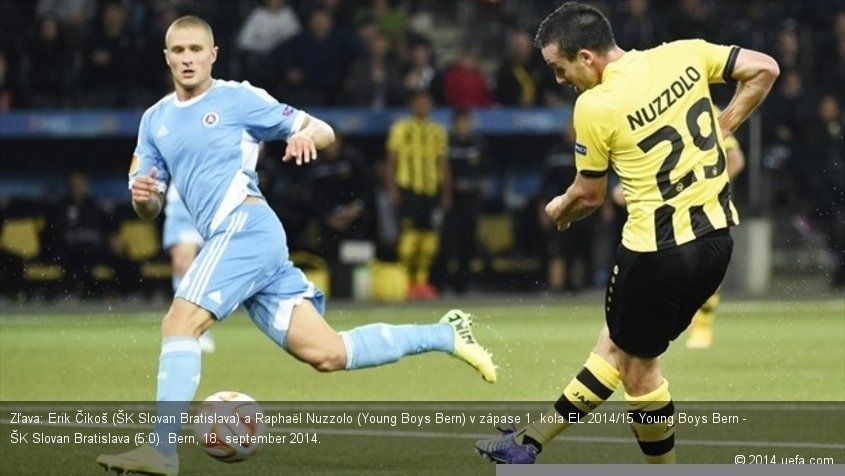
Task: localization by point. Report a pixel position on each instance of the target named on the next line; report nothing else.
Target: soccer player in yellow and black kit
(649, 115)
(701, 329)
(419, 183)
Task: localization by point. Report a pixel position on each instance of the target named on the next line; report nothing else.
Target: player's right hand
(144, 187)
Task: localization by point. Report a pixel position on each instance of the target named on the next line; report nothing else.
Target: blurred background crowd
(466, 56)
(107, 53)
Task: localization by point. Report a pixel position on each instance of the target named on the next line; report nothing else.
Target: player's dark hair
(576, 26)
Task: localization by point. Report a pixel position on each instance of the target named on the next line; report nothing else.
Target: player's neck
(183, 94)
(613, 55)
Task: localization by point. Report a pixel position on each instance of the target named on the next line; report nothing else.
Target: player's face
(576, 73)
(190, 55)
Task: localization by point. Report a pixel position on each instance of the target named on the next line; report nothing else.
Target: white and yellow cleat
(141, 460)
(467, 347)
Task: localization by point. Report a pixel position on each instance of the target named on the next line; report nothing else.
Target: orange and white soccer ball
(226, 426)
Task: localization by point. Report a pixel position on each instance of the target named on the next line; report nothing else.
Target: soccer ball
(226, 428)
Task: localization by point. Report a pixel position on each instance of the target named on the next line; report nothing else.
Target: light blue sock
(176, 280)
(379, 344)
(178, 377)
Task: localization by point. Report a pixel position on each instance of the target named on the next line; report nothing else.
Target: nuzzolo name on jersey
(663, 101)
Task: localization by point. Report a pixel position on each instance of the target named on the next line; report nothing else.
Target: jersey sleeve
(147, 156)
(265, 118)
(592, 137)
(718, 60)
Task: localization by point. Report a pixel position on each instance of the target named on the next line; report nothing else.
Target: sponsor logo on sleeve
(580, 148)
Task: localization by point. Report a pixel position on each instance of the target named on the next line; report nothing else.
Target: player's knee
(180, 321)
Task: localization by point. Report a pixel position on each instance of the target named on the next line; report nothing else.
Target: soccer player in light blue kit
(204, 138)
(182, 241)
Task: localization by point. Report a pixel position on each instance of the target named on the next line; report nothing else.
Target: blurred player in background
(204, 138)
(467, 156)
(420, 188)
(649, 115)
(182, 241)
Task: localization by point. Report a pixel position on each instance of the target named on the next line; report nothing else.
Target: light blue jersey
(178, 225)
(209, 146)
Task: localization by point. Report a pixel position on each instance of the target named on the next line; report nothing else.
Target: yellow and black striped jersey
(652, 120)
(420, 146)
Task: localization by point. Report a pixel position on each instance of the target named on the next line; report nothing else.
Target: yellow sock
(594, 384)
(653, 416)
(428, 248)
(704, 317)
(407, 249)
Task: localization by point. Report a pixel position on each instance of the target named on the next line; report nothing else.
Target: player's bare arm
(583, 197)
(756, 73)
(146, 199)
(312, 136)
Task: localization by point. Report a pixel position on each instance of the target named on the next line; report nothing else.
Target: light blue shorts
(178, 226)
(246, 261)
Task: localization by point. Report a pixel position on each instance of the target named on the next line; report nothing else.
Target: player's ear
(214, 54)
(586, 57)
(166, 57)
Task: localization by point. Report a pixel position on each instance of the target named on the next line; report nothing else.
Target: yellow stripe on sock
(653, 416)
(577, 399)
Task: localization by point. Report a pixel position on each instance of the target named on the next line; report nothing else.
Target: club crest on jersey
(580, 148)
(210, 119)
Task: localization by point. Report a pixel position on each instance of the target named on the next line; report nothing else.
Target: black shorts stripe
(566, 408)
(657, 448)
(590, 381)
(643, 417)
(727, 75)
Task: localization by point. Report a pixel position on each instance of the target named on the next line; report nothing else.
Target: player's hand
(300, 147)
(144, 188)
(554, 210)
(618, 195)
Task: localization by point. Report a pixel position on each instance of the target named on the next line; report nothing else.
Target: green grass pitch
(773, 353)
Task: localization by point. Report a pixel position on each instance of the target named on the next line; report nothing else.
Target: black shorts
(418, 212)
(652, 297)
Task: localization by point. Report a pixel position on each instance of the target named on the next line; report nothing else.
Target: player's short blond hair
(190, 21)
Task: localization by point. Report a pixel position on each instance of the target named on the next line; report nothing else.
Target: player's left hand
(553, 210)
(300, 147)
